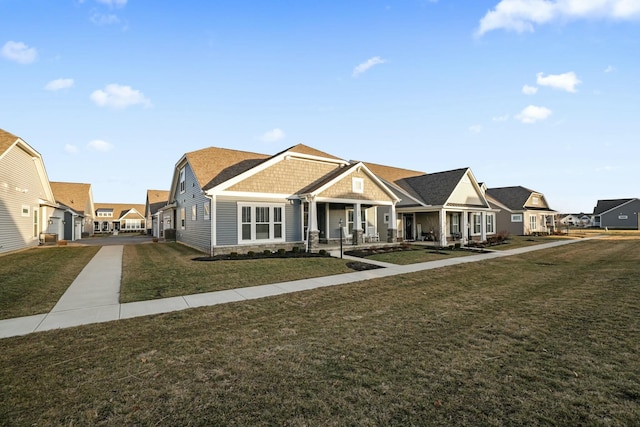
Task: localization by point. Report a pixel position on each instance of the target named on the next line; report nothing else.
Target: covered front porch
(446, 226)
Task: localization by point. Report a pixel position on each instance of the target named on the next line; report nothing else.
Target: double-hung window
(477, 223)
(182, 181)
(533, 222)
(455, 223)
(260, 222)
(491, 220)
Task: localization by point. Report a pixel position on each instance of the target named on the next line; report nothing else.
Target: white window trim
(182, 180)
(357, 185)
(385, 218)
(533, 222)
(490, 220)
(206, 208)
(475, 222)
(253, 223)
(194, 213)
(183, 218)
(516, 218)
(26, 210)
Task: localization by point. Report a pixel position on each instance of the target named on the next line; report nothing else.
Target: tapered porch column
(314, 234)
(357, 226)
(392, 231)
(443, 227)
(464, 228)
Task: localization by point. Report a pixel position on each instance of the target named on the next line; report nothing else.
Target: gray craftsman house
(522, 211)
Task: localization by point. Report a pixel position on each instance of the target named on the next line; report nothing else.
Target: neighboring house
(575, 220)
(27, 204)
(156, 199)
(522, 211)
(446, 207)
(224, 200)
(79, 198)
(617, 213)
(116, 217)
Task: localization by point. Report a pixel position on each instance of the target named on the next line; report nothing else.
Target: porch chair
(372, 236)
(348, 237)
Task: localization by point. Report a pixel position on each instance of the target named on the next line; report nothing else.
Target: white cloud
(59, 84)
(118, 3)
(365, 66)
(609, 69)
(567, 81)
(118, 96)
(522, 15)
(273, 135)
(104, 19)
(71, 149)
(501, 118)
(19, 52)
(529, 90)
(532, 114)
(100, 145)
(475, 128)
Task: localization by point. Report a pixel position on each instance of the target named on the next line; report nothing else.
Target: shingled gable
(332, 178)
(298, 151)
(6, 141)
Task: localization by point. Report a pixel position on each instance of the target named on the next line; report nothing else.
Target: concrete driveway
(121, 239)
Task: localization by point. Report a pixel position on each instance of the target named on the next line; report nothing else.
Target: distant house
(79, 198)
(617, 213)
(522, 211)
(575, 220)
(27, 205)
(224, 200)
(116, 217)
(446, 207)
(156, 200)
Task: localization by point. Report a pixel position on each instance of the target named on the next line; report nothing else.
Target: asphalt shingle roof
(433, 189)
(6, 140)
(514, 198)
(607, 205)
(72, 194)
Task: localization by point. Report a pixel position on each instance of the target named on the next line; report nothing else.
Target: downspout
(212, 218)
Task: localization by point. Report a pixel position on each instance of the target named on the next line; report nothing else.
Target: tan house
(118, 217)
(27, 206)
(224, 200)
(156, 200)
(78, 197)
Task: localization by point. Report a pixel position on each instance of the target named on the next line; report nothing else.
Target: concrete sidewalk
(93, 296)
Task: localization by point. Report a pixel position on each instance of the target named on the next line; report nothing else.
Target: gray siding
(293, 222)
(226, 222)
(20, 185)
(623, 217)
(503, 223)
(196, 234)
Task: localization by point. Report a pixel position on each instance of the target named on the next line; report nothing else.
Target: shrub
(233, 255)
(251, 254)
(295, 249)
(267, 252)
(323, 252)
(281, 251)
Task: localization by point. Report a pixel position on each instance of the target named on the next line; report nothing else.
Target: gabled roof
(119, 209)
(72, 194)
(212, 166)
(606, 205)
(6, 140)
(309, 151)
(433, 189)
(391, 174)
(514, 198)
(156, 199)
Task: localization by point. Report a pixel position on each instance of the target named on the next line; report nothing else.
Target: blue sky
(538, 93)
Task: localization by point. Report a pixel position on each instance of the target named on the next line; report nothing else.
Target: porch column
(392, 231)
(314, 234)
(443, 227)
(357, 226)
(464, 228)
(483, 227)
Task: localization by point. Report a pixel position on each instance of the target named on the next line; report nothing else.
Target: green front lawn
(544, 338)
(32, 281)
(167, 269)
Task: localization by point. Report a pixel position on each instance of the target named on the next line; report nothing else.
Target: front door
(408, 227)
(321, 209)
